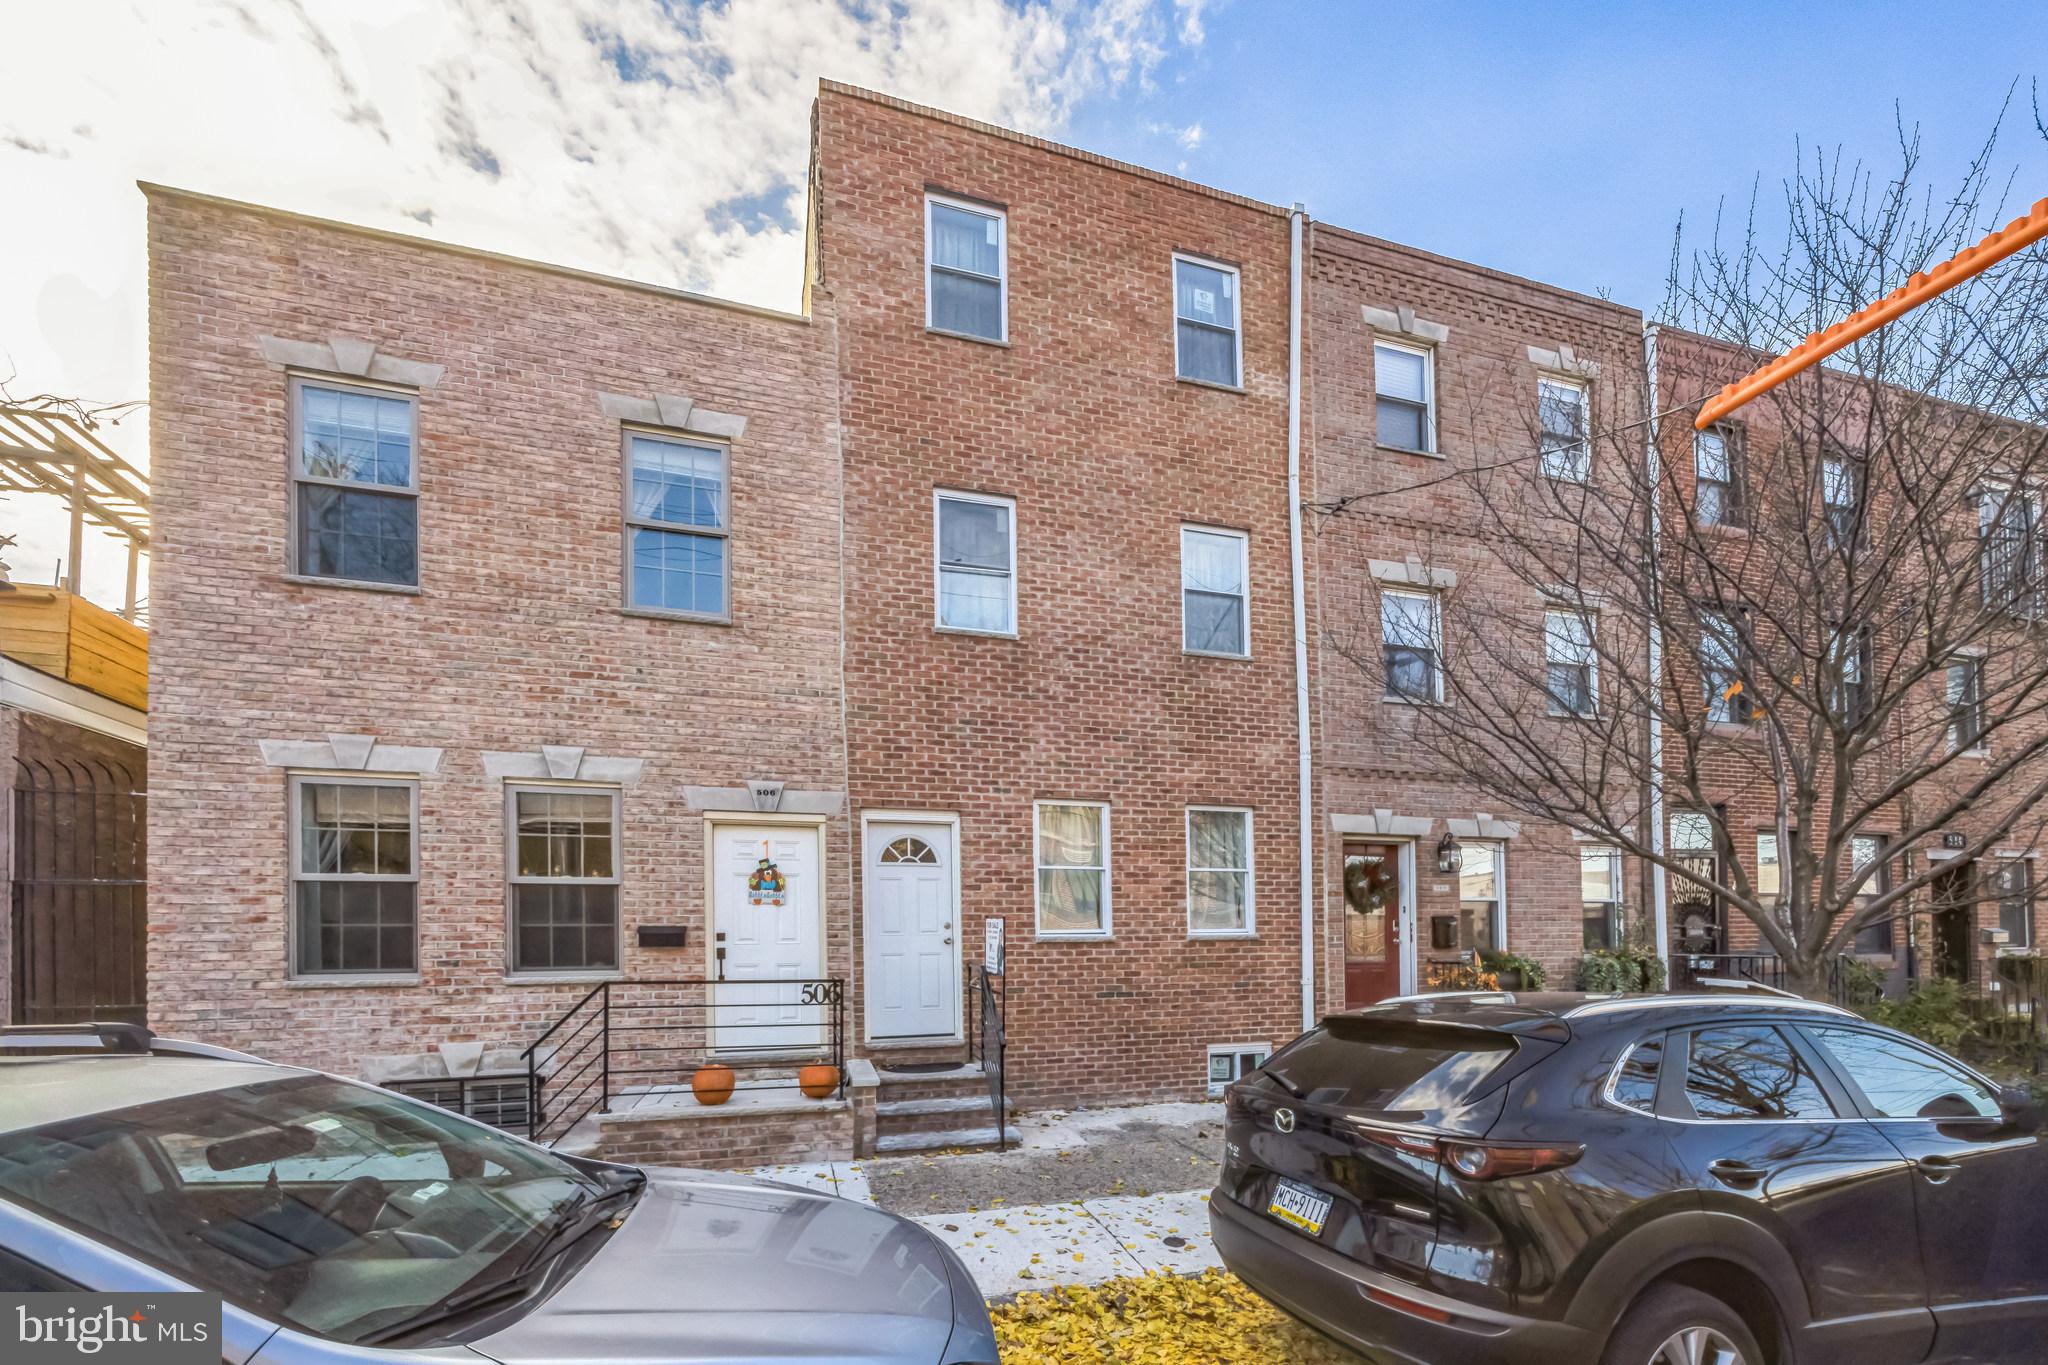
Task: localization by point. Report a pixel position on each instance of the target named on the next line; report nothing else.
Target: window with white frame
(562, 864)
(1717, 471)
(1482, 896)
(1205, 330)
(1072, 842)
(678, 528)
(1219, 870)
(1214, 569)
(1600, 895)
(966, 269)
(1404, 396)
(976, 551)
(1868, 851)
(1234, 1061)
(1839, 478)
(356, 484)
(355, 876)
(1964, 682)
(1720, 669)
(1411, 636)
(2012, 882)
(1571, 664)
(1770, 878)
(2010, 539)
(1561, 408)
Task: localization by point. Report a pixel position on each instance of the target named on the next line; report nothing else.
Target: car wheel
(1673, 1325)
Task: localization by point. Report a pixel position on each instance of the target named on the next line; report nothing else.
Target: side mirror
(2017, 1105)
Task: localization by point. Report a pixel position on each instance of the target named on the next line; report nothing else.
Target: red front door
(1372, 923)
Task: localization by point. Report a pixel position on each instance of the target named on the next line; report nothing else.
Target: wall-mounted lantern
(1449, 857)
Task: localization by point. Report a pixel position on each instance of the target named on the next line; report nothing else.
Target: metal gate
(78, 914)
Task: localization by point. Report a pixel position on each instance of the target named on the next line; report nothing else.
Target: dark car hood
(712, 1268)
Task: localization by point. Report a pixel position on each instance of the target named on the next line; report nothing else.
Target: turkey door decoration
(765, 884)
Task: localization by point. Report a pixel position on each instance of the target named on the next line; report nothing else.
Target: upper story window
(966, 253)
(1214, 566)
(356, 484)
(563, 867)
(1964, 682)
(1571, 665)
(1839, 480)
(1072, 841)
(1412, 637)
(677, 526)
(2009, 534)
(1205, 331)
(1721, 653)
(1561, 407)
(355, 875)
(1404, 403)
(1717, 470)
(977, 563)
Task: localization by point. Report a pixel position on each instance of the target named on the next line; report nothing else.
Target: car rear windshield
(1402, 1070)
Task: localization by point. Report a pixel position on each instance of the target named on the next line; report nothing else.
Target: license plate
(1299, 1206)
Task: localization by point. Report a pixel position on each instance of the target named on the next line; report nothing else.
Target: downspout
(1305, 784)
(1653, 468)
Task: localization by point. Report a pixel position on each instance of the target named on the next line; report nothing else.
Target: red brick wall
(1373, 754)
(516, 638)
(1080, 419)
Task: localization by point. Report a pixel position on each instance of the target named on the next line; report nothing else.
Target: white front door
(913, 941)
(770, 929)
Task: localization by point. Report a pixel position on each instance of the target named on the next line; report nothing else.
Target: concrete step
(905, 1144)
(964, 1079)
(938, 1114)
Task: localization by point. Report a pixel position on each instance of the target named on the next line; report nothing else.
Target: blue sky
(665, 140)
(1562, 142)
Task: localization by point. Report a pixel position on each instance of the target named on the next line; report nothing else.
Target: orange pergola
(2014, 236)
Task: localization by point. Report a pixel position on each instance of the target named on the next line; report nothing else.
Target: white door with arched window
(913, 934)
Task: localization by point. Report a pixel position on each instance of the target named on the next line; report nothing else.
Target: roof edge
(155, 190)
(1483, 271)
(828, 86)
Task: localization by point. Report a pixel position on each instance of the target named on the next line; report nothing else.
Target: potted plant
(818, 1082)
(713, 1083)
(1515, 972)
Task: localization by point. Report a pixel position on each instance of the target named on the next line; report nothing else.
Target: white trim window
(1770, 872)
(1839, 478)
(1404, 396)
(1206, 343)
(974, 551)
(1219, 872)
(355, 876)
(678, 526)
(1600, 895)
(355, 482)
(966, 279)
(1070, 840)
(1215, 573)
(1964, 690)
(1728, 701)
(1482, 896)
(2012, 882)
(1717, 476)
(1411, 638)
(1571, 663)
(562, 874)
(1563, 413)
(2009, 536)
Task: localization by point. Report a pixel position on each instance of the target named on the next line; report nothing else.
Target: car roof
(1541, 1012)
(38, 1090)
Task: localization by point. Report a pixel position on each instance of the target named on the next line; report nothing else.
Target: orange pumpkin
(712, 1083)
(818, 1082)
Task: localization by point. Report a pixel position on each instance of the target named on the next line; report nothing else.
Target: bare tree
(1829, 617)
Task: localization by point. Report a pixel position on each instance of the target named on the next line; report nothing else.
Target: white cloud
(635, 137)
(1189, 137)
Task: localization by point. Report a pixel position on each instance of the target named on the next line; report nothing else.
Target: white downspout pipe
(1653, 468)
(1305, 788)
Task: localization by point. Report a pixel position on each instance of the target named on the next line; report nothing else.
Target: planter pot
(1510, 979)
(712, 1084)
(818, 1082)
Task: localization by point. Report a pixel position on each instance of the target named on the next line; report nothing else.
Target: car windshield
(335, 1208)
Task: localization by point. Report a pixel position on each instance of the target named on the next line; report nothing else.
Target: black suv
(1718, 1179)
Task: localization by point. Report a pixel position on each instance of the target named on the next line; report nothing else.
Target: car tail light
(1485, 1161)
(1410, 1144)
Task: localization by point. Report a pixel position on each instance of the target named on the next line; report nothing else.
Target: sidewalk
(1085, 1196)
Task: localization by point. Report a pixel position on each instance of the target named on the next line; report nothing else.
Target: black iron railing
(1689, 969)
(643, 1041)
(989, 1045)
